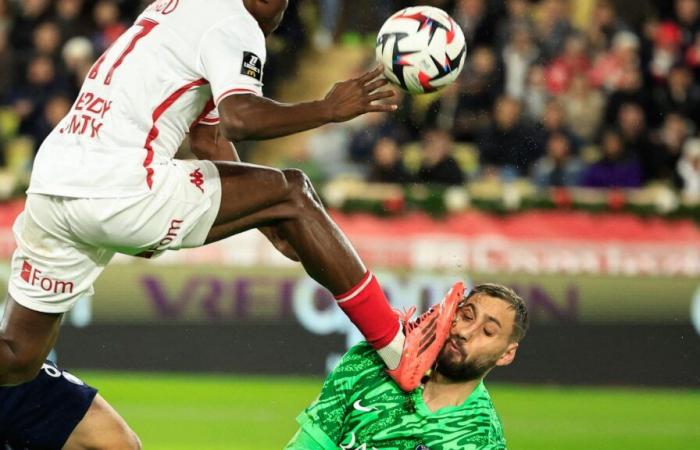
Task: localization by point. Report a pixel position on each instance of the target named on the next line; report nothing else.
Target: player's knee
(301, 191)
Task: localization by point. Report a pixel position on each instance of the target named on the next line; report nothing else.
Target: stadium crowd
(614, 102)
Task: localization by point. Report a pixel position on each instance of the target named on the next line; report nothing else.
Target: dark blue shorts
(42, 414)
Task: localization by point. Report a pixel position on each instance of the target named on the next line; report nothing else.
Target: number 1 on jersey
(147, 26)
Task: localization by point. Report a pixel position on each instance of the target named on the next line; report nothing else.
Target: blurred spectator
(57, 107)
(5, 16)
(635, 137)
(559, 167)
(679, 94)
(518, 55)
(477, 25)
(689, 170)
(666, 50)
(109, 25)
(616, 168)
(329, 12)
(465, 107)
(47, 40)
(42, 82)
(508, 148)
(605, 23)
(376, 127)
(631, 90)
(536, 94)
(387, 165)
(692, 56)
(572, 61)
(610, 68)
(584, 108)
(438, 166)
(553, 122)
(687, 14)
(518, 16)
(670, 140)
(553, 27)
(78, 58)
(70, 18)
(284, 48)
(8, 64)
(329, 149)
(32, 13)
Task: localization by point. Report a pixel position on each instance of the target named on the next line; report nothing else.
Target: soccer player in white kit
(105, 181)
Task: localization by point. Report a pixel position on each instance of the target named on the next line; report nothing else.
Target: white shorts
(63, 244)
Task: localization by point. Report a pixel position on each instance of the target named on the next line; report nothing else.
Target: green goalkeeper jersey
(360, 408)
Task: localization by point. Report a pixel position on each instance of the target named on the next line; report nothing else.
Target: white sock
(391, 354)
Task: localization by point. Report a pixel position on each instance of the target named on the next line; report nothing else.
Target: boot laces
(406, 314)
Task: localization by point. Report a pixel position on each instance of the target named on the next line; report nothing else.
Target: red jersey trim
(235, 91)
(202, 118)
(153, 134)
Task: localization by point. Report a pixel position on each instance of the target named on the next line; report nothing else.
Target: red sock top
(370, 311)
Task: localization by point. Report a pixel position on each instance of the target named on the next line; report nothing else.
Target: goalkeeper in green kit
(361, 408)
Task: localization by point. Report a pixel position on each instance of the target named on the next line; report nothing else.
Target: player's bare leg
(254, 196)
(102, 428)
(26, 338)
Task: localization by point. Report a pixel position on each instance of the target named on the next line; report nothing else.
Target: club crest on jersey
(422, 447)
(252, 66)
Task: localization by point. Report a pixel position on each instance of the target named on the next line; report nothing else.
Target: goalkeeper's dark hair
(517, 304)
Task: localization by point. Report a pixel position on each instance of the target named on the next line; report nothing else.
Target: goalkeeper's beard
(461, 369)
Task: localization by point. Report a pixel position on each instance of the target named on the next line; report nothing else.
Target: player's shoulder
(486, 418)
(228, 15)
(232, 16)
(359, 361)
(363, 352)
(475, 423)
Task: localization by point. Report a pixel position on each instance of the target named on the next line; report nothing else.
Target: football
(421, 48)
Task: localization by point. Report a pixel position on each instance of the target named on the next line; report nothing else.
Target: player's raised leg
(254, 196)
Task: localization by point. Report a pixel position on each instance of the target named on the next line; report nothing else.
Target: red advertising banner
(535, 242)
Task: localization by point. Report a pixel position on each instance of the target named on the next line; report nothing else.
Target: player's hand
(351, 98)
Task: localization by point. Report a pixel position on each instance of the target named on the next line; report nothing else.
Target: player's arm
(304, 440)
(26, 337)
(251, 117)
(232, 57)
(207, 142)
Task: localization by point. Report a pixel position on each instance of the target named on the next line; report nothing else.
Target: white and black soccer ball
(421, 48)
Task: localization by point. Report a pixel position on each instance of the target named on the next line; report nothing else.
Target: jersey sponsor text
(34, 277)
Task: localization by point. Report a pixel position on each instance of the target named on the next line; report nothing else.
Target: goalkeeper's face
(479, 340)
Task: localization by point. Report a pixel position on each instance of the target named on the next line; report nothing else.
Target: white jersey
(165, 74)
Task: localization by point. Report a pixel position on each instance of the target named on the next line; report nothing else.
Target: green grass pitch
(212, 412)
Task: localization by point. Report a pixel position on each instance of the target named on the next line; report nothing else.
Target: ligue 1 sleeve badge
(252, 66)
(422, 447)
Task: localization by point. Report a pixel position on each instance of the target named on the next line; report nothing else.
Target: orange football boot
(425, 337)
